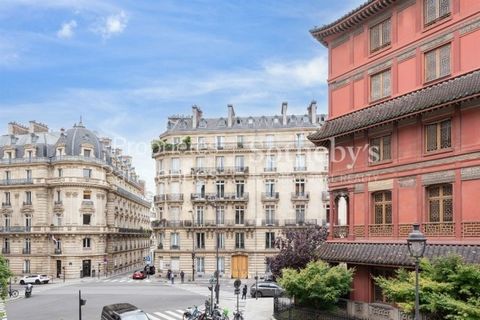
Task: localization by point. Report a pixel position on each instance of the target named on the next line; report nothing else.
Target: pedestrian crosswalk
(125, 280)
(166, 315)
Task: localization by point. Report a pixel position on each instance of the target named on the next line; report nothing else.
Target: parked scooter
(28, 290)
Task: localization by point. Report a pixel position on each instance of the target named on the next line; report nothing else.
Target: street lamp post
(416, 246)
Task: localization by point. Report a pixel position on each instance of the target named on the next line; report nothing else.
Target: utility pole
(81, 302)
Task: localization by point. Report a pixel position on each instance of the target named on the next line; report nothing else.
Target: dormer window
(380, 35)
(87, 153)
(60, 152)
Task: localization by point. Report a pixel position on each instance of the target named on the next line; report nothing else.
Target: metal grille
(430, 63)
(444, 62)
(445, 134)
(434, 211)
(376, 86)
(378, 214)
(387, 150)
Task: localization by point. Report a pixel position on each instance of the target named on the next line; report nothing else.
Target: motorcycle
(28, 290)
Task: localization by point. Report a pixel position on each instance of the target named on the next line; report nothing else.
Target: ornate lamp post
(416, 245)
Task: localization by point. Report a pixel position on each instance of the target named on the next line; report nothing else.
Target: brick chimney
(37, 127)
(16, 128)
(231, 115)
(284, 113)
(197, 115)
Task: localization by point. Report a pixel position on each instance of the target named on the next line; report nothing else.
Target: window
(175, 240)
(239, 163)
(437, 63)
(270, 163)
(300, 213)
(87, 153)
(200, 264)
(239, 188)
(270, 188)
(29, 155)
(200, 216)
(200, 239)
(200, 162)
(6, 245)
(300, 187)
(176, 140)
(380, 35)
(87, 195)
(60, 173)
(7, 223)
(26, 266)
(300, 162)
(201, 143)
(269, 215)
(8, 175)
(382, 207)
(221, 264)
(299, 140)
(440, 203)
(87, 219)
(87, 173)
(28, 223)
(221, 241)
(200, 188)
(239, 240)
(220, 214)
(269, 240)
(269, 141)
(175, 165)
(220, 163)
(220, 142)
(28, 198)
(239, 214)
(220, 188)
(438, 135)
(380, 85)
(27, 246)
(59, 152)
(435, 10)
(7, 199)
(28, 174)
(380, 149)
(59, 196)
(86, 243)
(240, 141)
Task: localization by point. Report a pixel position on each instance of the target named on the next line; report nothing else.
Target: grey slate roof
(423, 99)
(183, 124)
(391, 254)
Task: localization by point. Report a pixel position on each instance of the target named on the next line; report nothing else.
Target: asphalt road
(50, 302)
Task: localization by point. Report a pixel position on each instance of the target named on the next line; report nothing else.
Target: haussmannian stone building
(71, 203)
(245, 178)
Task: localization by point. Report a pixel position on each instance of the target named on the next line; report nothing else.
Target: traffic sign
(213, 280)
(237, 283)
(237, 291)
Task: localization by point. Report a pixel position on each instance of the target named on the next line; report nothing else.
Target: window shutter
(431, 131)
(374, 37)
(430, 70)
(445, 134)
(387, 148)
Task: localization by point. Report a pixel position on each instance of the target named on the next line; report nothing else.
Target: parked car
(123, 311)
(266, 289)
(35, 279)
(149, 270)
(139, 274)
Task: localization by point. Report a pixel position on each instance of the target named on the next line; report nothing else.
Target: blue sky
(124, 66)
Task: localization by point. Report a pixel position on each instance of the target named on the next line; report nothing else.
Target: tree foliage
(449, 289)
(318, 284)
(5, 275)
(297, 248)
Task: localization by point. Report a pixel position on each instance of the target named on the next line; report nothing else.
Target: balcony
(300, 196)
(270, 222)
(439, 229)
(16, 229)
(174, 247)
(209, 197)
(160, 246)
(6, 250)
(58, 251)
(270, 169)
(16, 182)
(340, 232)
(300, 222)
(380, 230)
(26, 251)
(167, 223)
(270, 196)
(299, 168)
(170, 197)
(6, 205)
(220, 171)
(132, 230)
(27, 203)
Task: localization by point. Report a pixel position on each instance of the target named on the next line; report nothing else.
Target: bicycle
(238, 315)
(13, 293)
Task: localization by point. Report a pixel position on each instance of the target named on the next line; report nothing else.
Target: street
(161, 301)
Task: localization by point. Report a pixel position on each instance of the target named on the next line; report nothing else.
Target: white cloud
(67, 29)
(112, 25)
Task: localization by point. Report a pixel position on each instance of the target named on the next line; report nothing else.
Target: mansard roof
(428, 98)
(350, 20)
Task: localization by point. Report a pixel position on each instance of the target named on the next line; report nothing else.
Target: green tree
(5, 275)
(449, 289)
(318, 284)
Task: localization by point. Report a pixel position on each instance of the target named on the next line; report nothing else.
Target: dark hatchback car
(266, 289)
(123, 311)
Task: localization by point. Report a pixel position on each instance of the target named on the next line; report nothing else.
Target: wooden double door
(240, 267)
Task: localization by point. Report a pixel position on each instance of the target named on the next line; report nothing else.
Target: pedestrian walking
(244, 292)
(173, 278)
(182, 275)
(169, 274)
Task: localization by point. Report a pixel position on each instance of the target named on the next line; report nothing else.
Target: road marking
(180, 311)
(152, 317)
(175, 314)
(164, 316)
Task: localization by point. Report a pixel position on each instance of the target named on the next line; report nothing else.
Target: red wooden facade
(403, 132)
